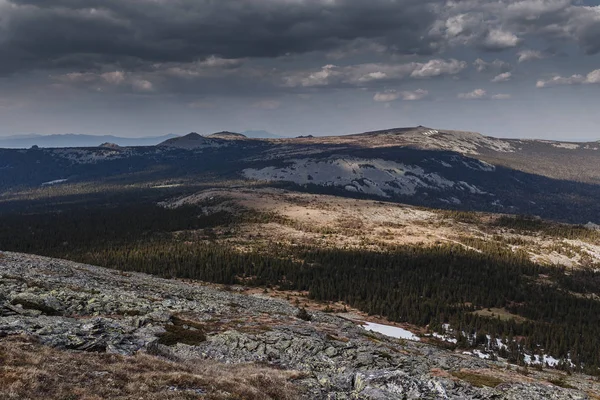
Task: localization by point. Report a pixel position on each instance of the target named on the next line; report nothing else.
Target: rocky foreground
(77, 311)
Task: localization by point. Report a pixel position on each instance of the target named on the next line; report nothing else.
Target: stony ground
(77, 311)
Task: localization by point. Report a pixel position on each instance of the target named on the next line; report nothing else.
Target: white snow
(55, 182)
(544, 360)
(477, 353)
(444, 338)
(391, 331)
(167, 186)
(481, 354)
(569, 146)
(500, 344)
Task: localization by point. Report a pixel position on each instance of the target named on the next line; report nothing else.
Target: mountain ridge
(415, 165)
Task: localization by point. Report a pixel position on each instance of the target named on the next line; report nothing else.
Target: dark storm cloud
(88, 34)
(504, 24)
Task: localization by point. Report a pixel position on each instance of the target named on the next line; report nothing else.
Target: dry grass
(299, 219)
(477, 380)
(501, 313)
(29, 370)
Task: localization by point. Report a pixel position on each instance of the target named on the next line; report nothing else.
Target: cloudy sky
(510, 68)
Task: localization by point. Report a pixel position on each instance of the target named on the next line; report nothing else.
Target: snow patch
(55, 182)
(544, 360)
(444, 338)
(391, 331)
(568, 146)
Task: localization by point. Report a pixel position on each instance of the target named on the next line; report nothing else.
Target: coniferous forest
(555, 313)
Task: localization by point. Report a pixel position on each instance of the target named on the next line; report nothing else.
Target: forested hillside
(426, 285)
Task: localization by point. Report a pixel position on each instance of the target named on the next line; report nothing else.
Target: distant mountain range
(79, 140)
(75, 140)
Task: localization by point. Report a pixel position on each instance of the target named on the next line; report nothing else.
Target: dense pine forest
(554, 313)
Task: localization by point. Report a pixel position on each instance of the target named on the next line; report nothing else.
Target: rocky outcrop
(84, 308)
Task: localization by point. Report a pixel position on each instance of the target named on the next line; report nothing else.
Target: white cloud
(498, 39)
(482, 94)
(593, 77)
(373, 76)
(492, 66)
(494, 25)
(577, 79)
(406, 95)
(504, 77)
(365, 74)
(142, 85)
(114, 78)
(418, 94)
(326, 76)
(438, 67)
(387, 96)
(474, 95)
(211, 67)
(76, 77)
(530, 55)
(218, 62)
(100, 82)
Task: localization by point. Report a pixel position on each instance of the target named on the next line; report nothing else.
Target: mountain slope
(174, 324)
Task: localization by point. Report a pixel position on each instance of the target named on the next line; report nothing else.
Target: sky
(505, 68)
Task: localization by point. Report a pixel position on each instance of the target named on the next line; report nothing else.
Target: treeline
(420, 285)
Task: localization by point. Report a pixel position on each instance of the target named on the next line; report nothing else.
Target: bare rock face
(84, 308)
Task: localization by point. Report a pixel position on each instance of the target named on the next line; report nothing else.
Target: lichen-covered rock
(46, 304)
